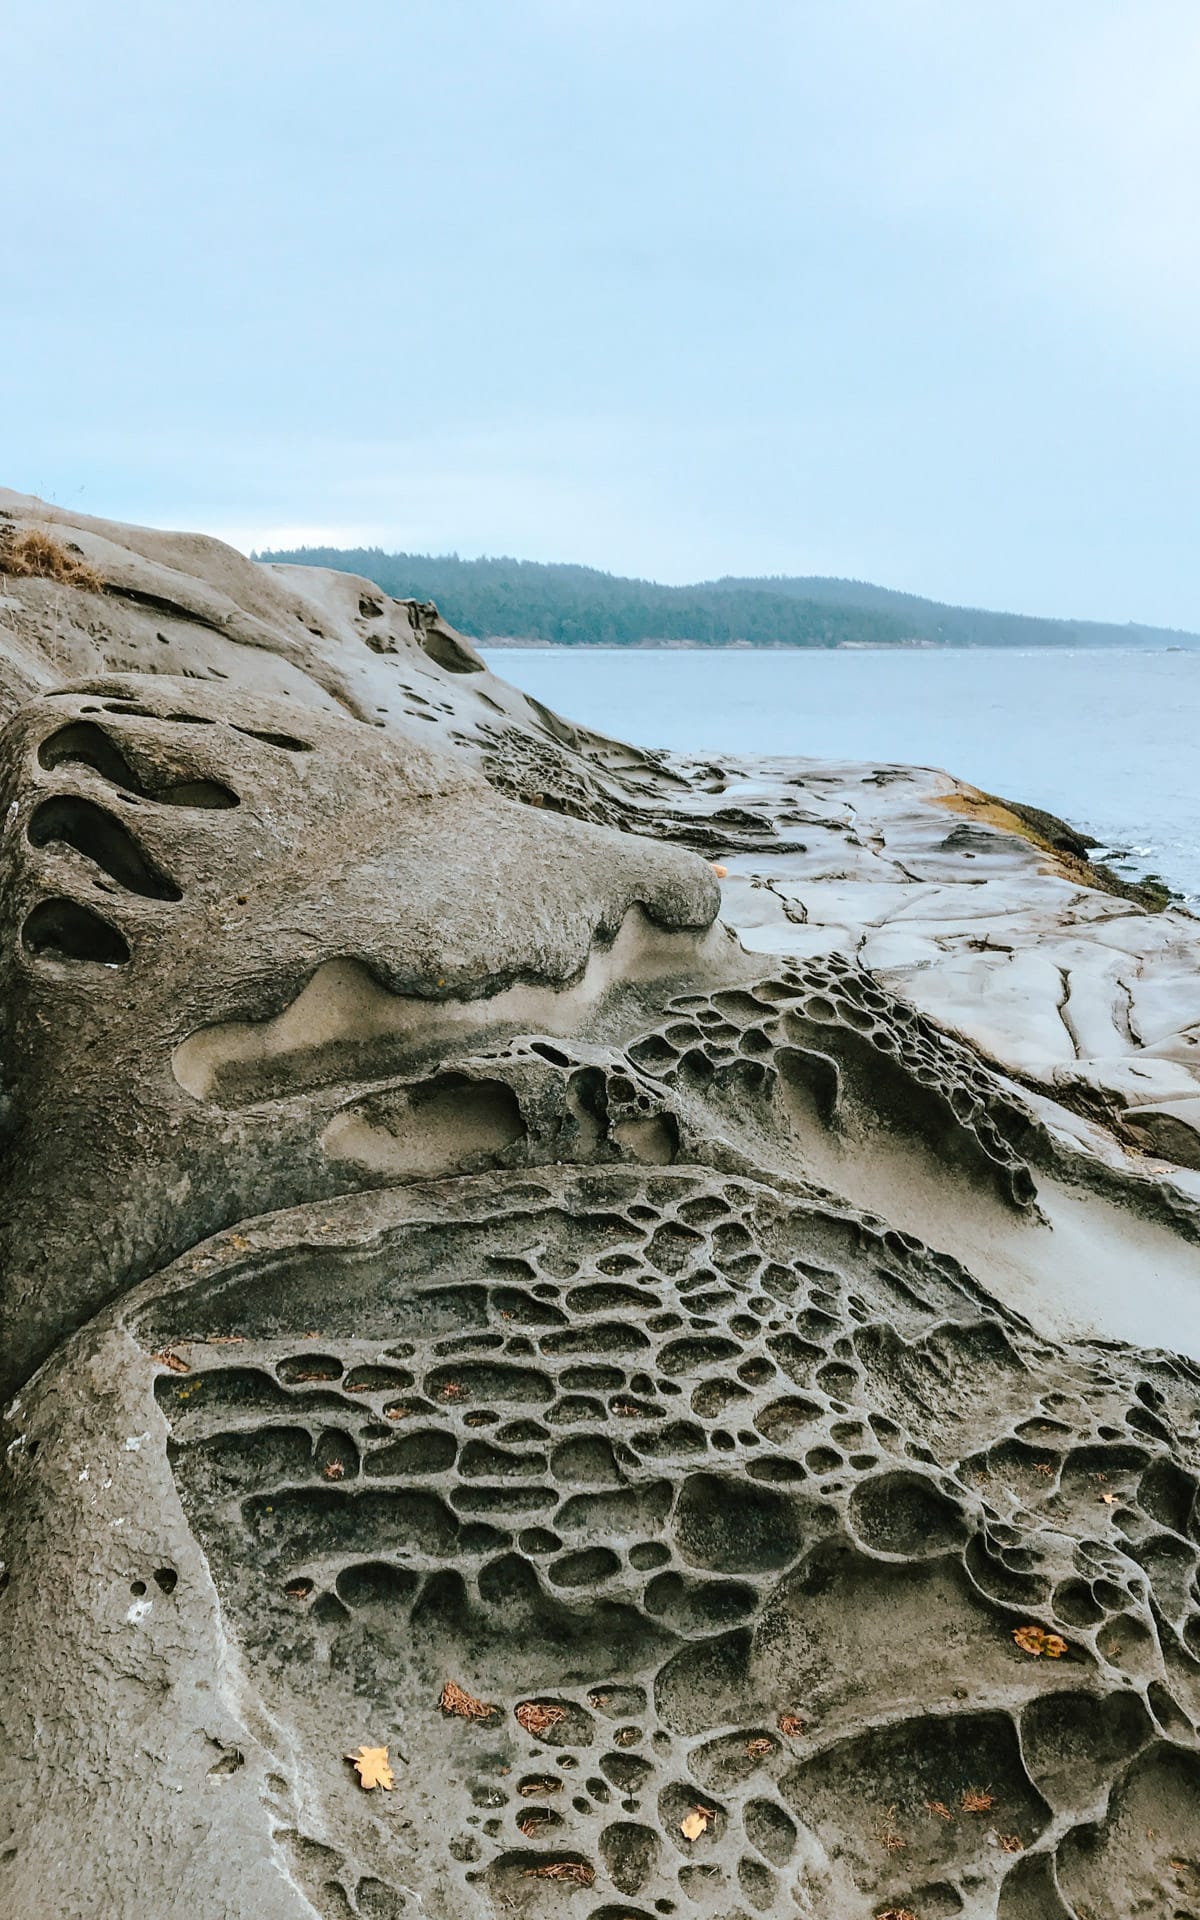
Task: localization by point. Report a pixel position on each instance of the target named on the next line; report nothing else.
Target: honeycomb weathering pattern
(753, 1494)
(439, 1255)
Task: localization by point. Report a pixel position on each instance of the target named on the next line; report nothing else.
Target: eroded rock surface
(724, 1413)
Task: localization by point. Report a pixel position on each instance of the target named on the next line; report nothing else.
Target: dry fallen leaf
(1011, 1843)
(172, 1360)
(576, 1870)
(696, 1822)
(371, 1765)
(1037, 1640)
(791, 1725)
(464, 1705)
(537, 1717)
(1109, 1499)
(335, 1470)
(721, 872)
(896, 1913)
(940, 1808)
(545, 1785)
(759, 1749)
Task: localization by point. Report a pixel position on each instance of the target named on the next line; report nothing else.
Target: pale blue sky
(904, 289)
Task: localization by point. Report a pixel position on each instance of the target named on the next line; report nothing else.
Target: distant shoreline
(493, 645)
(532, 602)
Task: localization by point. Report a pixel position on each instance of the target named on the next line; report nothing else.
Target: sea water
(1108, 739)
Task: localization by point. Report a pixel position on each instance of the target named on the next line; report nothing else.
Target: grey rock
(762, 1373)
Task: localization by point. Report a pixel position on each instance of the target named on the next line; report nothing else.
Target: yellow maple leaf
(371, 1765)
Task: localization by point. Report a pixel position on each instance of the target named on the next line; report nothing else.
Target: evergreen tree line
(579, 606)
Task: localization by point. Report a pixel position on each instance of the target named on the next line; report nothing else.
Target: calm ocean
(1109, 740)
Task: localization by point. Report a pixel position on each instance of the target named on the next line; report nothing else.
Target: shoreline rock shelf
(741, 1339)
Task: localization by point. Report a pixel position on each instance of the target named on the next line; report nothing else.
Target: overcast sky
(900, 289)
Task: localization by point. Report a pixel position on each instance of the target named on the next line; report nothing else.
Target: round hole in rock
(210, 794)
(1076, 1605)
(302, 1368)
(286, 742)
(68, 820)
(735, 1526)
(61, 929)
(904, 1513)
(630, 1853)
(376, 1583)
(587, 1567)
(647, 1554)
(84, 742)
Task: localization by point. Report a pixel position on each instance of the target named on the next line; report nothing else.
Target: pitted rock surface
(735, 1445)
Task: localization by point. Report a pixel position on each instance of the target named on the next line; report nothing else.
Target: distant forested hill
(931, 620)
(579, 606)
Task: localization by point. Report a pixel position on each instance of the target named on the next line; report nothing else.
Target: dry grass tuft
(887, 1835)
(538, 1717)
(577, 1870)
(463, 1705)
(30, 554)
(978, 1800)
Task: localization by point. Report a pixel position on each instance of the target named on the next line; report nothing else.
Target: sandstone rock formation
(721, 1408)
